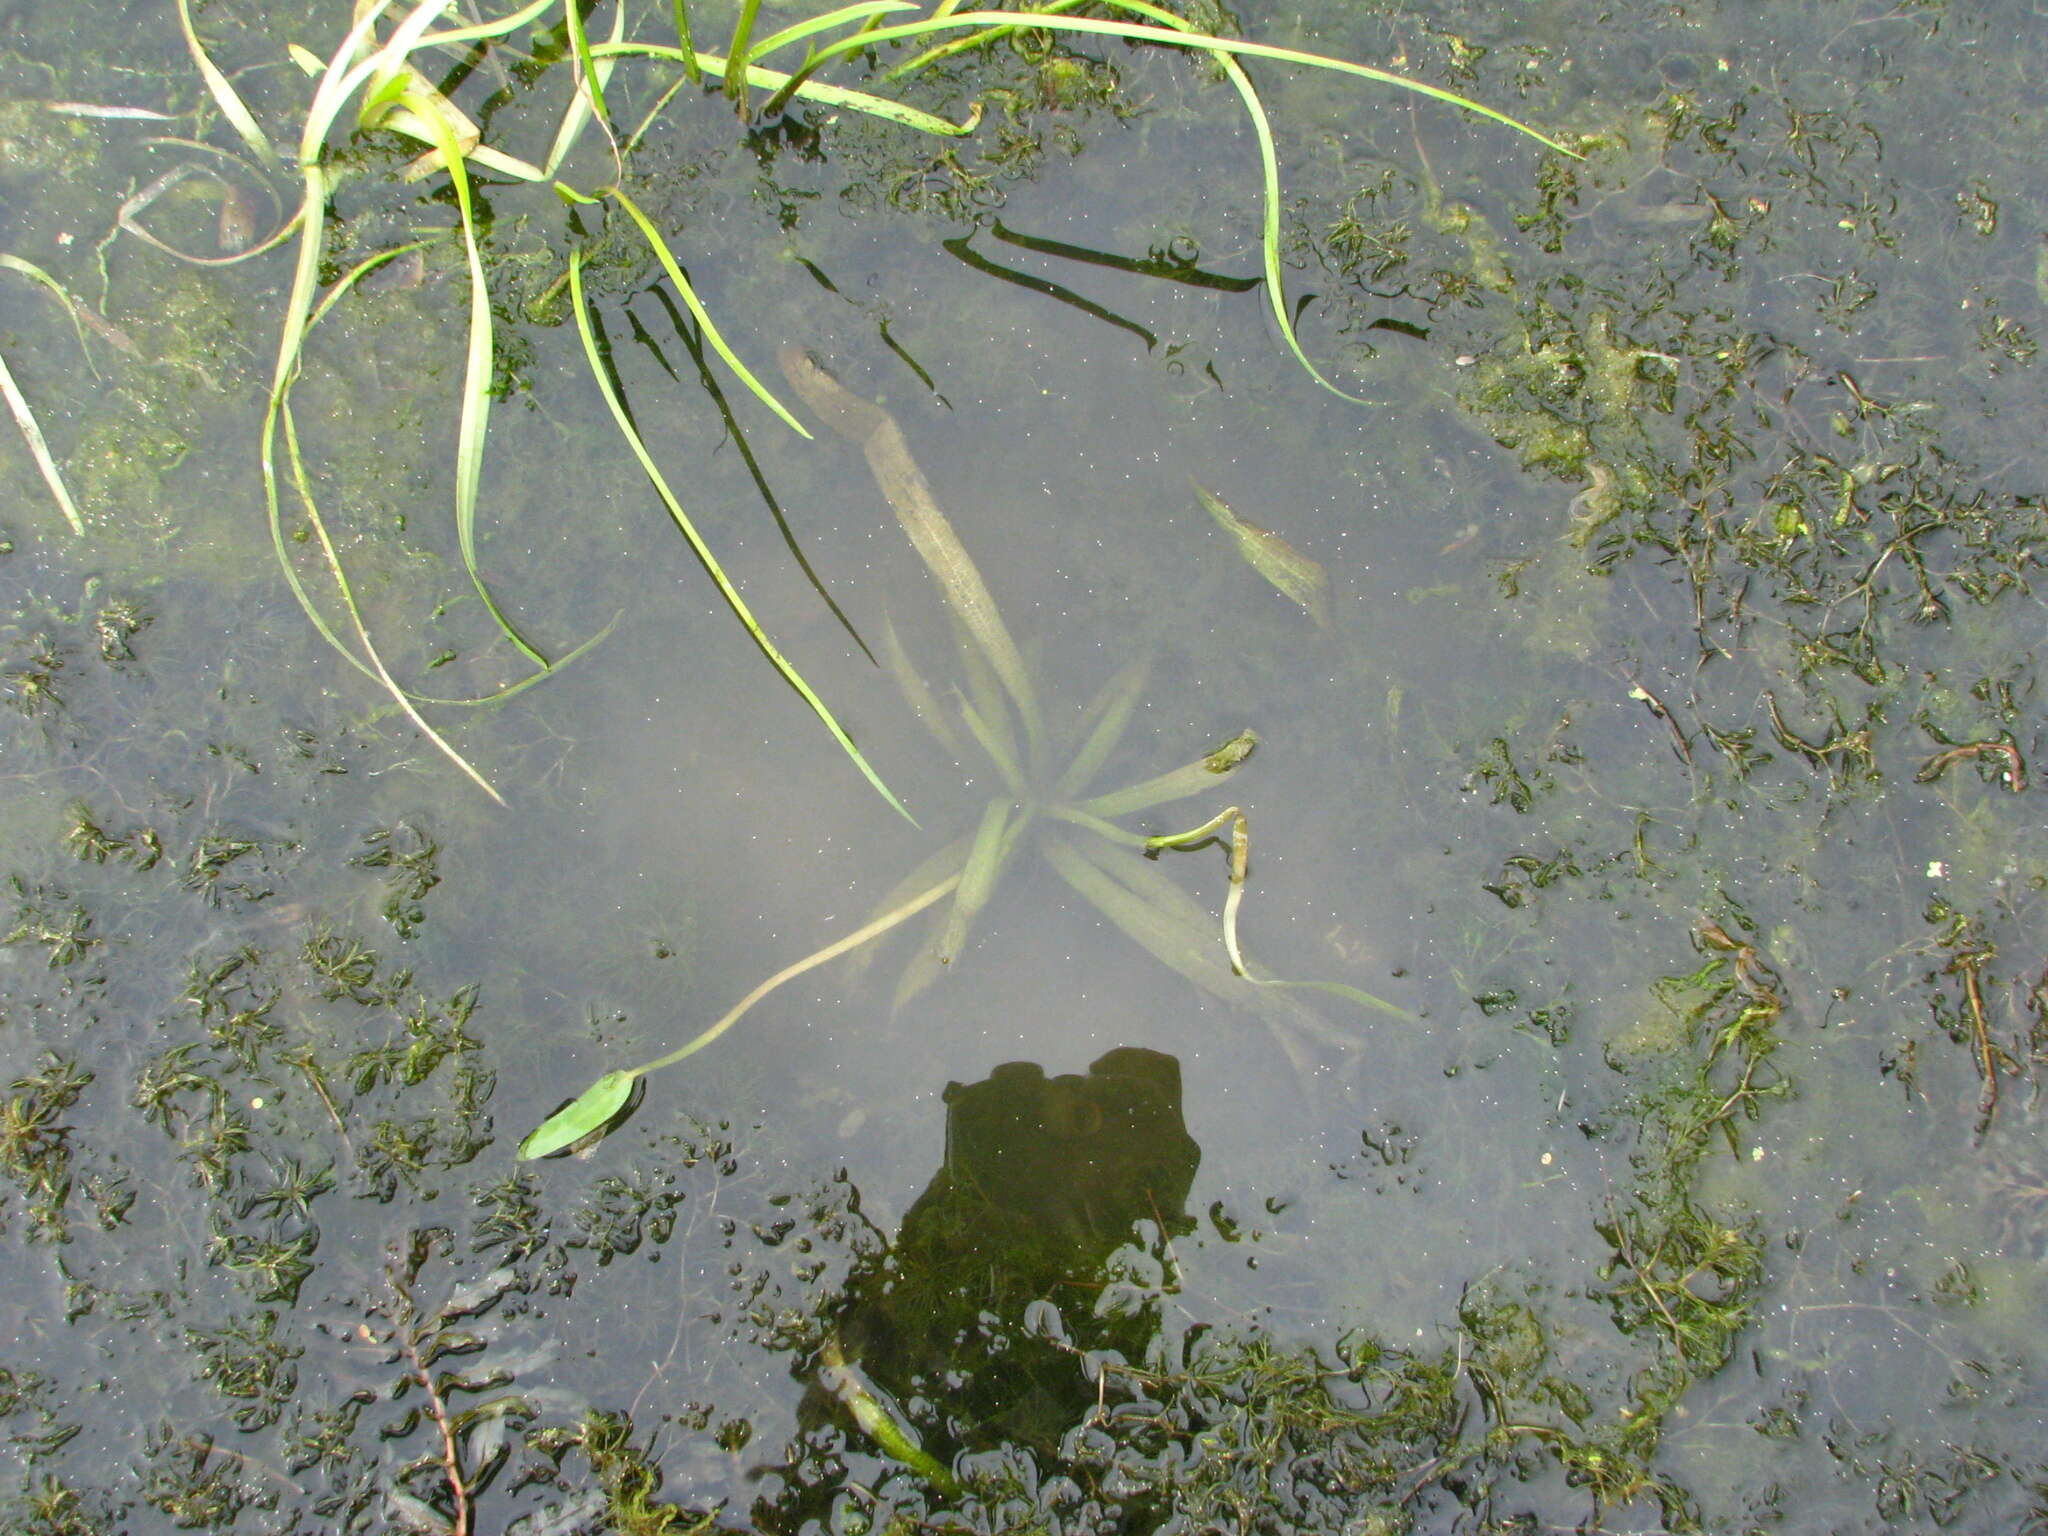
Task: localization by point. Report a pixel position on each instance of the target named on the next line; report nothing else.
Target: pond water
(1652, 788)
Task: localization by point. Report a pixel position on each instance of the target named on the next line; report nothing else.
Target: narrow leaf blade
(977, 879)
(39, 449)
(689, 531)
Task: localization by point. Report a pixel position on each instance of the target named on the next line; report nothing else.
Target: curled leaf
(1240, 830)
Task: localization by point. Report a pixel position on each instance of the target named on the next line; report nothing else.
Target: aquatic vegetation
(19, 408)
(628, 1477)
(377, 77)
(1756, 673)
(1044, 1181)
(1046, 800)
(1290, 572)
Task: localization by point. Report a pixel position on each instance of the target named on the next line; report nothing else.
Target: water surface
(1669, 754)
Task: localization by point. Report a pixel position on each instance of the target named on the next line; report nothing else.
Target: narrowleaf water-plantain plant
(375, 75)
(1045, 801)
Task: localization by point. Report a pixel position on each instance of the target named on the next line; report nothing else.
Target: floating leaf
(581, 1115)
(603, 1098)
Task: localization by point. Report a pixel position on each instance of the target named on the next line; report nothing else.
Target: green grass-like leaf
(742, 35)
(579, 47)
(1136, 32)
(1171, 31)
(952, 46)
(17, 403)
(474, 421)
(808, 90)
(602, 376)
(375, 662)
(691, 67)
(39, 448)
(796, 32)
(593, 75)
(392, 94)
(225, 96)
(484, 31)
(695, 306)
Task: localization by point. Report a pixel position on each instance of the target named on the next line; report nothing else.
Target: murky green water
(1670, 753)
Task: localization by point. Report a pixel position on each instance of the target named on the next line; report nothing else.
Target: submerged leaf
(916, 693)
(977, 879)
(39, 449)
(878, 1419)
(930, 531)
(580, 1116)
(1287, 568)
(949, 860)
(919, 972)
(1110, 717)
(992, 733)
(1177, 783)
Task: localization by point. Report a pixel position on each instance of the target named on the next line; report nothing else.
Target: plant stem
(833, 951)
